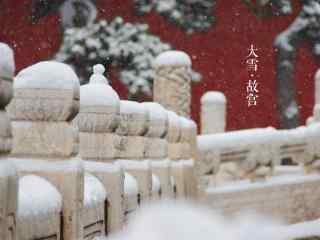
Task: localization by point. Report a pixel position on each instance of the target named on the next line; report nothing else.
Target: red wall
(218, 54)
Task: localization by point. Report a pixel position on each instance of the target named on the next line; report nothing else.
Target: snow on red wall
(219, 54)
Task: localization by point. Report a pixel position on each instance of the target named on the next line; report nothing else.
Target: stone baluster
(172, 82)
(157, 148)
(45, 99)
(132, 127)
(97, 121)
(213, 112)
(175, 153)
(8, 174)
(189, 156)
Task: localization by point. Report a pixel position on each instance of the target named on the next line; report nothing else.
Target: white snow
(37, 196)
(156, 111)
(235, 139)
(179, 220)
(94, 191)
(131, 107)
(98, 95)
(55, 165)
(92, 166)
(47, 75)
(301, 230)
(165, 163)
(130, 185)
(271, 182)
(134, 164)
(213, 97)
(98, 92)
(156, 185)
(7, 65)
(6, 169)
(174, 58)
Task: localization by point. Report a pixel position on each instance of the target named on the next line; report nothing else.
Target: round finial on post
(97, 76)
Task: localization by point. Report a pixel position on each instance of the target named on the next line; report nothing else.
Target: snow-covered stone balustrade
(260, 184)
(45, 99)
(77, 159)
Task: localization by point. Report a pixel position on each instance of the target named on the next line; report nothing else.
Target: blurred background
(125, 35)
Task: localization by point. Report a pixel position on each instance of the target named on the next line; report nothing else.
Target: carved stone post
(175, 152)
(172, 82)
(99, 144)
(157, 147)
(132, 127)
(213, 112)
(46, 98)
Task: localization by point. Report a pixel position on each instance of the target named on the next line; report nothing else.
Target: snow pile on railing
(37, 197)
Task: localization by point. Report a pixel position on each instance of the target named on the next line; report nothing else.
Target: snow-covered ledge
(255, 151)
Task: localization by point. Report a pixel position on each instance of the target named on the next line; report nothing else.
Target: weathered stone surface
(179, 151)
(132, 147)
(157, 120)
(97, 119)
(133, 119)
(46, 139)
(171, 88)
(5, 133)
(141, 171)
(162, 169)
(39, 227)
(68, 177)
(93, 221)
(156, 148)
(42, 104)
(177, 173)
(112, 177)
(99, 146)
(292, 200)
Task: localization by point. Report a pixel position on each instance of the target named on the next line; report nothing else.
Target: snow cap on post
(157, 120)
(99, 104)
(46, 91)
(7, 68)
(213, 97)
(133, 119)
(172, 58)
(174, 127)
